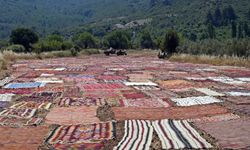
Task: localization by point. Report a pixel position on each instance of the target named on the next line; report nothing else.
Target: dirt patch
(105, 113)
(156, 142)
(110, 144)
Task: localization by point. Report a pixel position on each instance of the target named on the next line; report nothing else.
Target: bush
(85, 40)
(232, 47)
(146, 40)
(170, 42)
(117, 40)
(16, 48)
(24, 37)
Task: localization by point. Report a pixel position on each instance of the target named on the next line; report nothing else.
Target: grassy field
(213, 60)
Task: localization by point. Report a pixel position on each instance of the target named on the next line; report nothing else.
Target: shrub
(170, 42)
(16, 48)
(85, 40)
(146, 40)
(24, 37)
(117, 40)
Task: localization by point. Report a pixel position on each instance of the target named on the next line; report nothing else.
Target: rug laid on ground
(24, 85)
(200, 100)
(144, 103)
(72, 115)
(6, 97)
(220, 117)
(65, 102)
(78, 146)
(91, 133)
(19, 122)
(138, 135)
(32, 105)
(178, 134)
(130, 113)
(5, 81)
(209, 92)
(28, 138)
(233, 134)
(21, 113)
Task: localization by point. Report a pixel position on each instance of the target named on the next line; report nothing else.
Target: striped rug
(90, 133)
(138, 135)
(175, 134)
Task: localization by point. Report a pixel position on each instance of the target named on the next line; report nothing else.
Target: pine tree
(246, 30)
(217, 17)
(240, 31)
(234, 30)
(211, 31)
(209, 18)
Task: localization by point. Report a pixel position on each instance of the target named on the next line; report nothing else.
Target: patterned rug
(24, 85)
(201, 100)
(216, 118)
(92, 133)
(82, 146)
(72, 115)
(21, 113)
(32, 105)
(19, 122)
(144, 103)
(6, 97)
(233, 134)
(138, 135)
(65, 102)
(179, 135)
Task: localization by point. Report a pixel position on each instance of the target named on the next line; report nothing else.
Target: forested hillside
(101, 16)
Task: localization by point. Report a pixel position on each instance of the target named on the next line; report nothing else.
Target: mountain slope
(47, 16)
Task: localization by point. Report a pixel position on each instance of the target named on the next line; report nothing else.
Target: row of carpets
(174, 134)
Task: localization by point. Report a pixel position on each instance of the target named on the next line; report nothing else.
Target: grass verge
(213, 60)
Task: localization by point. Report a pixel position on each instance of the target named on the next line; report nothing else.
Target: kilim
(91, 133)
(138, 135)
(13, 121)
(221, 117)
(189, 101)
(81, 102)
(32, 105)
(22, 113)
(175, 134)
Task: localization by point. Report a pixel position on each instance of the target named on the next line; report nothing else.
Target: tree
(209, 18)
(240, 31)
(118, 40)
(234, 29)
(246, 29)
(85, 40)
(248, 14)
(170, 42)
(229, 15)
(24, 37)
(217, 17)
(211, 31)
(55, 37)
(146, 40)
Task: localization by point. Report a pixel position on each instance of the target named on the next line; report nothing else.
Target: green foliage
(16, 48)
(118, 40)
(85, 40)
(170, 42)
(234, 30)
(211, 31)
(52, 43)
(24, 37)
(233, 47)
(146, 40)
(3, 44)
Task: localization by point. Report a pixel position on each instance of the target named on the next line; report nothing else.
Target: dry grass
(213, 60)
